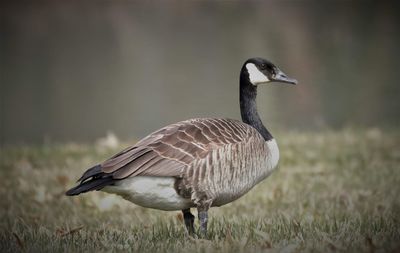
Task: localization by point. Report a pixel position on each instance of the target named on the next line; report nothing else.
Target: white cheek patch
(255, 75)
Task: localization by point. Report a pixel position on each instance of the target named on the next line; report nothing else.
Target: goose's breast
(152, 192)
(229, 173)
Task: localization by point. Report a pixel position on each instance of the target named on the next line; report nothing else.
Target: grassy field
(333, 192)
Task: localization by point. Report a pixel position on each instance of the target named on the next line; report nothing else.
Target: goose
(196, 163)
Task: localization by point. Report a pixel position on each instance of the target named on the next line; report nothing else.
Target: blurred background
(72, 71)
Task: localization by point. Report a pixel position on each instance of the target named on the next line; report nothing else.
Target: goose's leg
(203, 219)
(189, 220)
(203, 203)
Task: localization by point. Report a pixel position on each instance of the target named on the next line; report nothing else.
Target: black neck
(248, 106)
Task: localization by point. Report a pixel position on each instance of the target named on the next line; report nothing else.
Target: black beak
(283, 78)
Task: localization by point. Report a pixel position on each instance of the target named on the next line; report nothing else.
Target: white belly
(152, 192)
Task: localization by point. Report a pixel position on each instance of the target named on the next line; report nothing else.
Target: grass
(333, 192)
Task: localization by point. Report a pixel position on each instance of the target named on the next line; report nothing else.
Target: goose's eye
(263, 66)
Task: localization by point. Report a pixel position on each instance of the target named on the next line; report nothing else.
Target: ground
(334, 191)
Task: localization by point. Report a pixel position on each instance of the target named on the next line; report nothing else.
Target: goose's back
(172, 150)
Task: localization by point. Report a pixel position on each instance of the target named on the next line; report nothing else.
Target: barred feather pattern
(224, 158)
(229, 172)
(172, 149)
(214, 161)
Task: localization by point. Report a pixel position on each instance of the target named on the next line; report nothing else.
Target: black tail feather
(95, 170)
(91, 185)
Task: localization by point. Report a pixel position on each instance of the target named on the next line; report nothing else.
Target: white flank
(273, 156)
(255, 75)
(152, 192)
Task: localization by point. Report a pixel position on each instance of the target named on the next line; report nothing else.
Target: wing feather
(176, 145)
(168, 151)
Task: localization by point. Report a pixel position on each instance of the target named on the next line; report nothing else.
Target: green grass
(333, 192)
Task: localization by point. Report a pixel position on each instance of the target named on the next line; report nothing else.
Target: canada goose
(198, 163)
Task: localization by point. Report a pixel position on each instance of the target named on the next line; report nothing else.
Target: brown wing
(166, 152)
(169, 150)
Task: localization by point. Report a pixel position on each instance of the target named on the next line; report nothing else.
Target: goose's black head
(258, 71)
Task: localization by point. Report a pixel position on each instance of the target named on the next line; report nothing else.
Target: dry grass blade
(370, 244)
(267, 240)
(228, 235)
(72, 231)
(19, 241)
